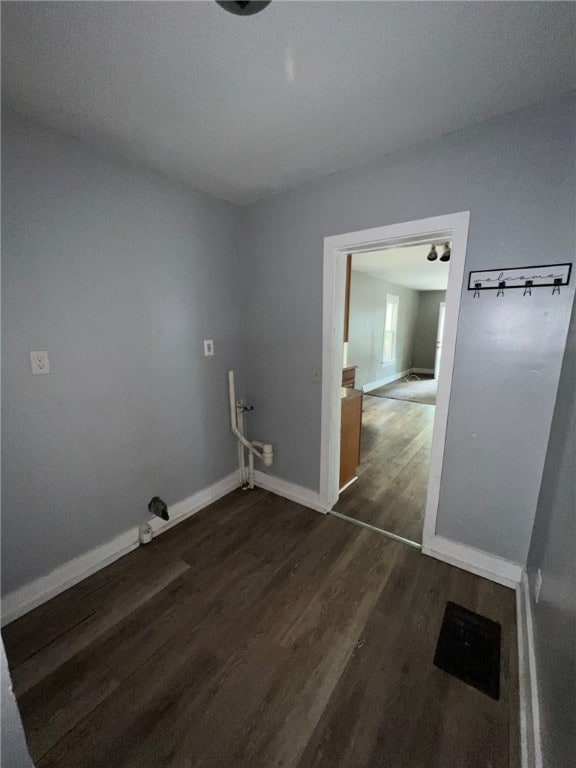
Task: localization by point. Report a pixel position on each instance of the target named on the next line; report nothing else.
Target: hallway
(390, 492)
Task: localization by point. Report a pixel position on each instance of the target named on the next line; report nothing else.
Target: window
(390, 328)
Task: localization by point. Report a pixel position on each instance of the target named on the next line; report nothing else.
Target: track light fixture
(433, 253)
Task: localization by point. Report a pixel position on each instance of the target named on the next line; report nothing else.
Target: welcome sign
(519, 277)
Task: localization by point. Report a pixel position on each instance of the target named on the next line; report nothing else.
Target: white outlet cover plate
(39, 362)
(208, 348)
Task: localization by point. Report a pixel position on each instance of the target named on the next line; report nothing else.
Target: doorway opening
(390, 320)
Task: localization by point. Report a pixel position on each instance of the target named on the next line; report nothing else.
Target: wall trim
(474, 560)
(30, 596)
(386, 380)
(297, 493)
(530, 737)
(367, 388)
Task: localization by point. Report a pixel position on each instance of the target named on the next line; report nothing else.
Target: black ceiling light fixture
(446, 254)
(243, 7)
(432, 256)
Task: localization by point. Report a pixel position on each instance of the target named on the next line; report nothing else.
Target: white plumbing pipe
(267, 452)
(233, 419)
(241, 457)
(251, 470)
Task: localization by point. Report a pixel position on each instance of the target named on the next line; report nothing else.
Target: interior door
(439, 335)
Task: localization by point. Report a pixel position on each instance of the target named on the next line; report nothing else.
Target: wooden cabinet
(349, 376)
(350, 434)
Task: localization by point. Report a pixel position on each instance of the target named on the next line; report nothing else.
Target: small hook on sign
(557, 284)
(528, 288)
(501, 286)
(476, 291)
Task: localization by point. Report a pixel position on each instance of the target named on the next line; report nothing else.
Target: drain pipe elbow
(252, 447)
(266, 452)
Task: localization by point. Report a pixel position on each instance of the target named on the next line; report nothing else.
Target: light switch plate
(39, 362)
(208, 348)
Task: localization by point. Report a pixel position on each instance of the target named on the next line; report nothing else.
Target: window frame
(392, 303)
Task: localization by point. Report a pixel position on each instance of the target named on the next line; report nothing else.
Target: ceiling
(246, 107)
(406, 266)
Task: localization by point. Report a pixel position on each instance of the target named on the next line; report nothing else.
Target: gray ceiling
(246, 107)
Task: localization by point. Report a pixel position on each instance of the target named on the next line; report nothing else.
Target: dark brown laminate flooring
(390, 492)
(261, 634)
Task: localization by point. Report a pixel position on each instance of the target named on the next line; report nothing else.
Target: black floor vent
(469, 648)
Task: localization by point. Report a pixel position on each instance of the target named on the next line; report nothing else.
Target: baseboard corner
(476, 561)
(372, 385)
(291, 491)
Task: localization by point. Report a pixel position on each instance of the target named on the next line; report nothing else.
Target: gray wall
(516, 176)
(366, 329)
(120, 275)
(424, 349)
(553, 551)
(13, 749)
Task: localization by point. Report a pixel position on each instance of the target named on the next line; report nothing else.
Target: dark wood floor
(261, 634)
(390, 492)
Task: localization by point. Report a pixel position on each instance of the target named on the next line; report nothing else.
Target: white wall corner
(474, 560)
(530, 738)
(30, 596)
(297, 493)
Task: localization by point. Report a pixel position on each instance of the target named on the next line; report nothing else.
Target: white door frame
(452, 227)
(439, 337)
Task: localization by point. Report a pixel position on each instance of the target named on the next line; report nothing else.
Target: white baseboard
(429, 371)
(30, 596)
(474, 560)
(188, 507)
(387, 380)
(530, 739)
(35, 593)
(287, 490)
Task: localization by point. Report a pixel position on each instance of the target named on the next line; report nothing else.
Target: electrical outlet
(208, 348)
(317, 377)
(537, 585)
(39, 362)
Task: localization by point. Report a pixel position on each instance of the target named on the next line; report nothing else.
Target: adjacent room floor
(418, 390)
(390, 492)
(259, 633)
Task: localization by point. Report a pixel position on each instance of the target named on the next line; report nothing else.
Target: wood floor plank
(61, 700)
(230, 609)
(138, 588)
(394, 708)
(390, 492)
(113, 656)
(265, 635)
(32, 632)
